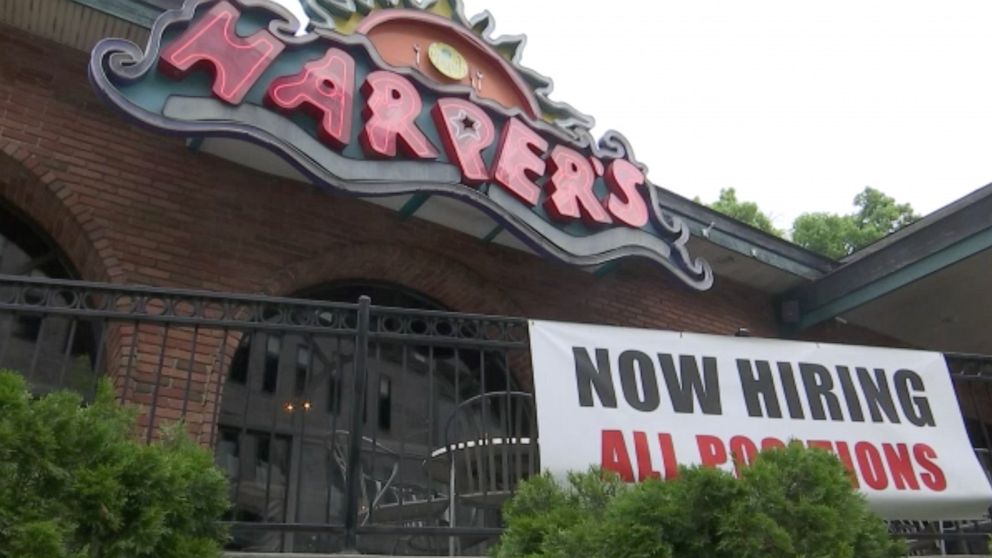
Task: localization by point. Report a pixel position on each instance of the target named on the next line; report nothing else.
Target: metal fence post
(104, 322)
(353, 488)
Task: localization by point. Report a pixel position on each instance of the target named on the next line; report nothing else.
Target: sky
(799, 105)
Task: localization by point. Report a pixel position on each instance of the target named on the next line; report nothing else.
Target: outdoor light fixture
(291, 407)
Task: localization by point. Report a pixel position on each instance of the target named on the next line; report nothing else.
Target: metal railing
(972, 377)
(342, 426)
(327, 417)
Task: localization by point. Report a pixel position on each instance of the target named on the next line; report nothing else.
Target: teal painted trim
(128, 10)
(491, 236)
(413, 204)
(194, 144)
(914, 272)
(753, 251)
(605, 269)
(144, 15)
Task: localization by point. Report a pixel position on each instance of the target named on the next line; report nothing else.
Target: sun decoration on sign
(428, 124)
(346, 17)
(447, 60)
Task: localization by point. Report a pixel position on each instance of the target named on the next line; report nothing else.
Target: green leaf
(744, 211)
(791, 502)
(837, 236)
(75, 484)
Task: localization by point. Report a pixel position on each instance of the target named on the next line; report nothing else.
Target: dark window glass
(239, 365)
(53, 352)
(273, 349)
(26, 250)
(307, 384)
(302, 365)
(334, 394)
(262, 450)
(385, 404)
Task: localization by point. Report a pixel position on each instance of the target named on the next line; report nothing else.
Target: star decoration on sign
(465, 126)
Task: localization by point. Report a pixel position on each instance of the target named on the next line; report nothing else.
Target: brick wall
(133, 206)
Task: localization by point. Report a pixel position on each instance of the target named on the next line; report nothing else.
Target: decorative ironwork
(277, 386)
(448, 329)
(151, 304)
(295, 411)
(972, 376)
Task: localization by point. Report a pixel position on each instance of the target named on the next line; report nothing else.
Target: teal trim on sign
(413, 204)
(913, 272)
(144, 14)
(606, 268)
(491, 236)
(128, 10)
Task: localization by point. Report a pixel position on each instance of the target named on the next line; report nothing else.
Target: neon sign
(327, 103)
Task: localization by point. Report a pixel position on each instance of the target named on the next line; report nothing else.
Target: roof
(926, 284)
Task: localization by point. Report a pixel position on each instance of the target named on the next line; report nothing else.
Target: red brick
(131, 206)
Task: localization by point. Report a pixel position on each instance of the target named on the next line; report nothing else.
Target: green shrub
(790, 503)
(73, 483)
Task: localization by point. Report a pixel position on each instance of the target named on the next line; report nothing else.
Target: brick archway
(29, 187)
(448, 281)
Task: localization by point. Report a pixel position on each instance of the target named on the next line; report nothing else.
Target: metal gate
(340, 426)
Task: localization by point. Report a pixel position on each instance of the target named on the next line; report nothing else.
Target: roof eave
(956, 232)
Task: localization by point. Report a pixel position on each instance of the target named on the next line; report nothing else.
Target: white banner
(639, 402)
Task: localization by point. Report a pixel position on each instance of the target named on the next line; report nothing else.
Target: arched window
(26, 250)
(51, 352)
(286, 410)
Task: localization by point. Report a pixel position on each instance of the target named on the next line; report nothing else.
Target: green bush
(790, 503)
(74, 484)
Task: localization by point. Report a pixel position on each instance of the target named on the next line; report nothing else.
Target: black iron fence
(341, 426)
(972, 377)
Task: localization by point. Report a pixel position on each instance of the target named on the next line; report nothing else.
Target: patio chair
(491, 445)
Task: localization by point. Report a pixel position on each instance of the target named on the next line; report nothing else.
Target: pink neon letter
(236, 63)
